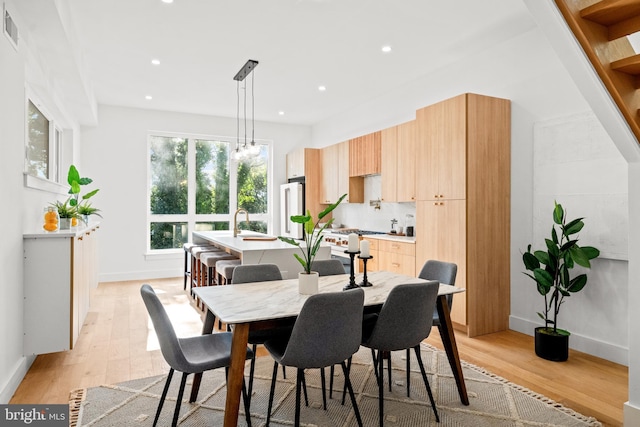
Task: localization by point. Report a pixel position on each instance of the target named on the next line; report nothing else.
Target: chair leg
(284, 372)
(331, 373)
(347, 381)
(247, 404)
(389, 368)
(272, 391)
(304, 384)
(375, 363)
(252, 369)
(164, 395)
(426, 382)
(176, 413)
(186, 272)
(408, 373)
(324, 389)
(299, 379)
(381, 387)
(344, 387)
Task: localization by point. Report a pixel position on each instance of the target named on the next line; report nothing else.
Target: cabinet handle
(435, 196)
(87, 233)
(441, 196)
(435, 203)
(395, 247)
(395, 264)
(80, 238)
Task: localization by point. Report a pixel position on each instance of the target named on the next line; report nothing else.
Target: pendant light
(244, 149)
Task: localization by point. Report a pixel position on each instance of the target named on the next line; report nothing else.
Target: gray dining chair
(403, 322)
(328, 267)
(327, 331)
(445, 273)
(248, 273)
(187, 355)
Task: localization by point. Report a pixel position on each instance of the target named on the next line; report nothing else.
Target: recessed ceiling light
(167, 1)
(155, 61)
(148, 97)
(386, 49)
(322, 88)
(281, 113)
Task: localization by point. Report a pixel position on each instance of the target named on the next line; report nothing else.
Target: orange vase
(51, 219)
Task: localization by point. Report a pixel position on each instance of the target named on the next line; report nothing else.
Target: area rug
(494, 401)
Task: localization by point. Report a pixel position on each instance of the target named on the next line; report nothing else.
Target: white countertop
(72, 232)
(391, 237)
(238, 244)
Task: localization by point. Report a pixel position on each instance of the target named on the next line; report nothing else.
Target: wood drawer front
(397, 247)
(397, 263)
(373, 244)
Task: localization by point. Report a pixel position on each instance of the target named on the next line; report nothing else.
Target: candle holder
(352, 279)
(365, 282)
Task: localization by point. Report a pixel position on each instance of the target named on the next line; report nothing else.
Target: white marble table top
(252, 302)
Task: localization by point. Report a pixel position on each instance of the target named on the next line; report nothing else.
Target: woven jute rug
(494, 401)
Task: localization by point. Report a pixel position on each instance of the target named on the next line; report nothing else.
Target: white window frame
(191, 218)
(54, 183)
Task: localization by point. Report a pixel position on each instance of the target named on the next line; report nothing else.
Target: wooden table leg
(449, 342)
(207, 328)
(236, 374)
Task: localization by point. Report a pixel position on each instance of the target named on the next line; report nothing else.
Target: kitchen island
(258, 248)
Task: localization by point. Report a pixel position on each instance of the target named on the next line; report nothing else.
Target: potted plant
(85, 210)
(76, 182)
(550, 270)
(66, 212)
(307, 279)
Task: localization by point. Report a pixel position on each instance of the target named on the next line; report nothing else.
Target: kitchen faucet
(235, 221)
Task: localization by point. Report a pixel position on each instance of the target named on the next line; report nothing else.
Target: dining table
(265, 305)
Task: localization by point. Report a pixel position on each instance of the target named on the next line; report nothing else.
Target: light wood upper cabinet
(398, 163)
(295, 163)
(441, 147)
(335, 176)
(365, 155)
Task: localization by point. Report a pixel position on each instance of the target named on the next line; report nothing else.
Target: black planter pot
(550, 346)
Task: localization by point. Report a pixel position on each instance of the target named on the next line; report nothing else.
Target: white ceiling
(105, 47)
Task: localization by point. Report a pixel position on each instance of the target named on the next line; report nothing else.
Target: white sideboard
(60, 269)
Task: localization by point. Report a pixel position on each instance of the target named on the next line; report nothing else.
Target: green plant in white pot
(308, 280)
(551, 272)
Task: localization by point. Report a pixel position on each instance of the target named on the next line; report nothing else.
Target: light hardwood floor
(117, 343)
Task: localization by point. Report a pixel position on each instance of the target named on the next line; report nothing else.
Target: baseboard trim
(631, 414)
(19, 372)
(138, 275)
(604, 350)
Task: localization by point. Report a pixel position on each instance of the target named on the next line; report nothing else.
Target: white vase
(308, 283)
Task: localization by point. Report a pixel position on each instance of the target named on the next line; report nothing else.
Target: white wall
(12, 364)
(115, 155)
(527, 71)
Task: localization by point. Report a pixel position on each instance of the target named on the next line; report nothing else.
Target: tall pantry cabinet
(463, 203)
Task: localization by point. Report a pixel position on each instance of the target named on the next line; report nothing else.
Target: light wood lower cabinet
(390, 255)
(59, 272)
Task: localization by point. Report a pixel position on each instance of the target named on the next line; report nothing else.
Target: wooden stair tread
(609, 12)
(629, 65)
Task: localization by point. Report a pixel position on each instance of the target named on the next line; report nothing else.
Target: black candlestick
(352, 279)
(365, 283)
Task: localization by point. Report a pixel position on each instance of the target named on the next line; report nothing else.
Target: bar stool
(225, 270)
(196, 271)
(188, 266)
(208, 264)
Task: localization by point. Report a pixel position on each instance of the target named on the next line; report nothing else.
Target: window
(43, 145)
(194, 185)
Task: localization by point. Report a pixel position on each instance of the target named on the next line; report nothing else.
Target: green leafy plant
(76, 182)
(65, 210)
(312, 237)
(87, 209)
(551, 269)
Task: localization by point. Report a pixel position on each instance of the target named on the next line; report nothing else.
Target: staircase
(601, 28)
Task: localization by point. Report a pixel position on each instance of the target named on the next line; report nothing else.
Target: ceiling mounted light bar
(245, 70)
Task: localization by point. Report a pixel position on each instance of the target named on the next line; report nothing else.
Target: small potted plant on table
(307, 279)
(550, 270)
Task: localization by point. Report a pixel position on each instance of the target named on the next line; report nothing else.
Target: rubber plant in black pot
(551, 271)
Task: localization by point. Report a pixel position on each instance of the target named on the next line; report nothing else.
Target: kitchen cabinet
(365, 155)
(391, 255)
(463, 208)
(398, 165)
(335, 176)
(306, 162)
(60, 269)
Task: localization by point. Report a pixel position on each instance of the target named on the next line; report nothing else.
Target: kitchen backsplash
(366, 217)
